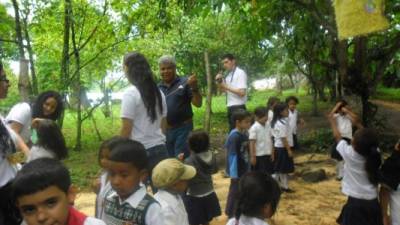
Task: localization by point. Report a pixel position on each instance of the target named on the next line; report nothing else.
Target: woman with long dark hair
(143, 108)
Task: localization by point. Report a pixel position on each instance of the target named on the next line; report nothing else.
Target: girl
(143, 109)
(201, 202)
(101, 185)
(390, 188)
(258, 199)
(283, 143)
(362, 161)
(50, 142)
(272, 101)
(48, 105)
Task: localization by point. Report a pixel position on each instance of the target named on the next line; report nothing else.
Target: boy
(44, 195)
(237, 155)
(294, 120)
(261, 148)
(128, 202)
(171, 176)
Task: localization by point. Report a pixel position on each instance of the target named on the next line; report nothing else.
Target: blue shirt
(237, 145)
(179, 97)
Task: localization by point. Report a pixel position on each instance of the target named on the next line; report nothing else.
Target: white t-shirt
(172, 207)
(293, 117)
(355, 181)
(93, 221)
(37, 152)
(245, 220)
(146, 132)
(262, 135)
(7, 170)
(238, 80)
(395, 206)
(282, 130)
(344, 124)
(105, 187)
(21, 113)
(270, 116)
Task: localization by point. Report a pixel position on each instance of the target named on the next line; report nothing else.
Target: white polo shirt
(236, 79)
(21, 113)
(246, 220)
(293, 117)
(344, 125)
(262, 135)
(146, 132)
(282, 130)
(7, 170)
(172, 207)
(355, 181)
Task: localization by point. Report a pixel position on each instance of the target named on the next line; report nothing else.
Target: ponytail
(366, 143)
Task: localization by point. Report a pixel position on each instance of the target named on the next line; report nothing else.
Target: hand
(36, 122)
(345, 110)
(192, 81)
(290, 153)
(253, 160)
(96, 185)
(181, 156)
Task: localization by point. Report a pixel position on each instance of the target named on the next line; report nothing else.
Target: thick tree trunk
(207, 115)
(23, 82)
(35, 88)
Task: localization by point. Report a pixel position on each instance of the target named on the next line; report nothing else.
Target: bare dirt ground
(311, 204)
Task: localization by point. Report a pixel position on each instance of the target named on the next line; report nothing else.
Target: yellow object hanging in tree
(359, 17)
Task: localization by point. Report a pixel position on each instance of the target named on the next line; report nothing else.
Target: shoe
(288, 190)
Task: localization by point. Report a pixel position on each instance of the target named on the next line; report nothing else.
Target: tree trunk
(207, 115)
(341, 54)
(35, 88)
(65, 53)
(23, 82)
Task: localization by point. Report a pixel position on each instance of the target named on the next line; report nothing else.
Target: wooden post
(207, 115)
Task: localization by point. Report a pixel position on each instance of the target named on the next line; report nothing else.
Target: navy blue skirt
(360, 212)
(282, 162)
(264, 164)
(201, 210)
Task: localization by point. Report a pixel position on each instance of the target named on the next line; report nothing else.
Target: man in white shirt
(235, 86)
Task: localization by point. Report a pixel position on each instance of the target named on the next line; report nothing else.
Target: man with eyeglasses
(235, 86)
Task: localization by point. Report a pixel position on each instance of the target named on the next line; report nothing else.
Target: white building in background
(264, 84)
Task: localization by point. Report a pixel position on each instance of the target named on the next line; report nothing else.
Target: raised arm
(197, 99)
(353, 117)
(335, 130)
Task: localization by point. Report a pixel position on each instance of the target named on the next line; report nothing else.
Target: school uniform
(105, 187)
(201, 202)
(21, 113)
(77, 218)
(345, 128)
(362, 206)
(282, 162)
(391, 178)
(261, 134)
(246, 220)
(139, 208)
(172, 208)
(38, 152)
(237, 165)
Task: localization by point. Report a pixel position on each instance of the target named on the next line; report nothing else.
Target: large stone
(314, 176)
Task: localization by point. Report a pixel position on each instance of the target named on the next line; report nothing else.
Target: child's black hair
(37, 109)
(228, 56)
(278, 109)
(260, 112)
(40, 174)
(240, 115)
(109, 144)
(256, 189)
(50, 137)
(130, 151)
(199, 141)
(271, 101)
(365, 142)
(292, 98)
(344, 104)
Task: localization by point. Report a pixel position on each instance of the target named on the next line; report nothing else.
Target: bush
(319, 141)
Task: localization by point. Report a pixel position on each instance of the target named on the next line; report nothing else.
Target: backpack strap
(143, 206)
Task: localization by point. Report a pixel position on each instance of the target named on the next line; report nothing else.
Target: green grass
(388, 94)
(83, 164)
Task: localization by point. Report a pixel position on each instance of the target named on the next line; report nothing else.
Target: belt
(188, 121)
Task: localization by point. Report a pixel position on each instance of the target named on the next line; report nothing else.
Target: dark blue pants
(177, 140)
(155, 155)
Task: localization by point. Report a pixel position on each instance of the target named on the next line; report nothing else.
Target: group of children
(259, 159)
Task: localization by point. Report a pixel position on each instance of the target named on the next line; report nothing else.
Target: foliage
(320, 141)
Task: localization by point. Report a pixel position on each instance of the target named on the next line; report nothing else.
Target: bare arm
(384, 194)
(15, 126)
(353, 117)
(22, 146)
(164, 125)
(126, 129)
(196, 96)
(253, 152)
(236, 91)
(335, 109)
(287, 146)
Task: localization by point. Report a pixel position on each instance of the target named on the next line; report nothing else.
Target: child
(294, 120)
(272, 101)
(50, 143)
(171, 176)
(345, 120)
(237, 156)
(259, 196)
(128, 201)
(201, 202)
(261, 142)
(283, 143)
(43, 193)
(390, 189)
(361, 173)
(102, 185)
